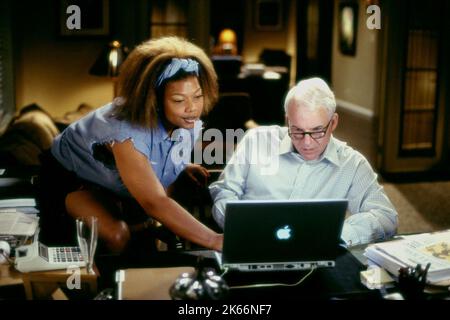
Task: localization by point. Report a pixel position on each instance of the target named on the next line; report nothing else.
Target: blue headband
(176, 65)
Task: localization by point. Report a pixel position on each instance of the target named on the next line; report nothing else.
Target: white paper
(27, 210)
(16, 223)
(433, 248)
(421, 249)
(19, 202)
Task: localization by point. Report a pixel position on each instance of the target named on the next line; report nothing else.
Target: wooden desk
(48, 284)
(342, 281)
(44, 285)
(9, 276)
(11, 283)
(148, 283)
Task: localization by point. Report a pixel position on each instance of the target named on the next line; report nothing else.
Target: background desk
(267, 96)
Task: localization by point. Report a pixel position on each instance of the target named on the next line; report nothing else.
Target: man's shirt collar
(330, 153)
(286, 145)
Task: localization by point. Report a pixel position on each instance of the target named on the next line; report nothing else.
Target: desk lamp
(109, 61)
(227, 42)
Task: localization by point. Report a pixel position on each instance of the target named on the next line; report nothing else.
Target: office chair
(232, 111)
(275, 57)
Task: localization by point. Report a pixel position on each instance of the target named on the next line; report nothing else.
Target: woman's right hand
(217, 243)
(138, 176)
(198, 174)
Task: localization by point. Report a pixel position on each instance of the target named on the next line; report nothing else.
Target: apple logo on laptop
(284, 233)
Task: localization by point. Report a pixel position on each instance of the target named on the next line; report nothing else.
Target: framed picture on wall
(268, 15)
(348, 27)
(84, 17)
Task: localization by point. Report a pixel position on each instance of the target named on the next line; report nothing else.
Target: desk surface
(340, 282)
(148, 283)
(35, 284)
(9, 276)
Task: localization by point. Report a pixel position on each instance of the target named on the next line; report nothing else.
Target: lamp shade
(109, 60)
(228, 42)
(227, 36)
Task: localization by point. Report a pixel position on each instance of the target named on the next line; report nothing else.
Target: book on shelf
(411, 250)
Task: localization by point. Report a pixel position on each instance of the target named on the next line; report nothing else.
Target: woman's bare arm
(138, 176)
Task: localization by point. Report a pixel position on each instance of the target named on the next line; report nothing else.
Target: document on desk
(19, 202)
(433, 248)
(18, 223)
(28, 210)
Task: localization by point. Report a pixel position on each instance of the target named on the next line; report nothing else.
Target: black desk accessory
(203, 284)
(411, 281)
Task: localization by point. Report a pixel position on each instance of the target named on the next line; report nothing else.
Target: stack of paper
(409, 251)
(18, 217)
(19, 202)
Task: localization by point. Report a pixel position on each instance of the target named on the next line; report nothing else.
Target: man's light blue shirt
(265, 166)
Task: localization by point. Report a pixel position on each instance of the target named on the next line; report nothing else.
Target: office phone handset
(39, 257)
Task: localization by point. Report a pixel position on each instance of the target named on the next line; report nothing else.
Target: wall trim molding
(355, 108)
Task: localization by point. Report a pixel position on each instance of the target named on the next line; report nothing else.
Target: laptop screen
(282, 231)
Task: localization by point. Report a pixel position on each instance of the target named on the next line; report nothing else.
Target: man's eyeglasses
(297, 135)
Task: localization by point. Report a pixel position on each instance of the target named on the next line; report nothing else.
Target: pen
(425, 272)
(418, 271)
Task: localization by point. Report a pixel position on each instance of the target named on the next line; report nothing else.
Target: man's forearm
(366, 227)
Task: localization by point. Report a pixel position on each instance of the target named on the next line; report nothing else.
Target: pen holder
(411, 282)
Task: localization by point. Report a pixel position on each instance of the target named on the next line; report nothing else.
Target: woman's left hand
(197, 173)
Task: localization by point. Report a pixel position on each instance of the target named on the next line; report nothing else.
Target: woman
(127, 148)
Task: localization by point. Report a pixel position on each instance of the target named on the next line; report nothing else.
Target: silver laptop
(270, 235)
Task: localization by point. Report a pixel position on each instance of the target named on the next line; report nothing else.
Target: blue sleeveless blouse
(75, 148)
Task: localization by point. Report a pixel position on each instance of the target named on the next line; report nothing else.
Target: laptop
(272, 235)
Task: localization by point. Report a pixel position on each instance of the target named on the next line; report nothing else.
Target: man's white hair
(313, 94)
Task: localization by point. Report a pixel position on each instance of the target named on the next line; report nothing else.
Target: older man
(305, 161)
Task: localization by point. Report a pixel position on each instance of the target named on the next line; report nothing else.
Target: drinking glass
(87, 234)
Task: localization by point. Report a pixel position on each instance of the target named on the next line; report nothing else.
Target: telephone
(39, 257)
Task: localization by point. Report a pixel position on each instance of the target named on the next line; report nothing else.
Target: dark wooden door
(314, 38)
